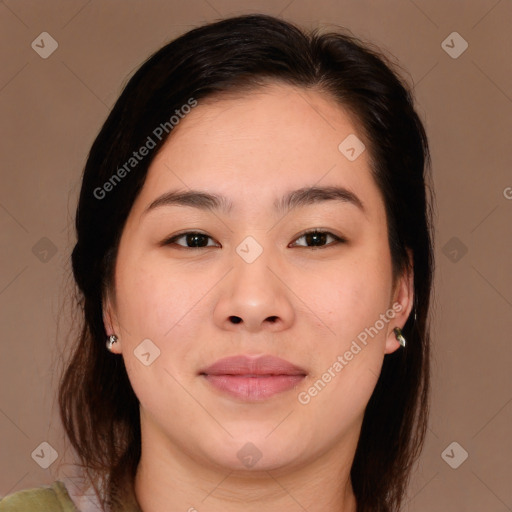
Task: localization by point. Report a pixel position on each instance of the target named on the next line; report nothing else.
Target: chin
(253, 453)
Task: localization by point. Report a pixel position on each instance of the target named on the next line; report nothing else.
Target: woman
(254, 247)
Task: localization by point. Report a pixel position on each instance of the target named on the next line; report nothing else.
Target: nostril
(272, 318)
(235, 319)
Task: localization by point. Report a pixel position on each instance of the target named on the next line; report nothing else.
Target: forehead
(260, 144)
(282, 118)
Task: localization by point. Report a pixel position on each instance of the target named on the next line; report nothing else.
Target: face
(249, 280)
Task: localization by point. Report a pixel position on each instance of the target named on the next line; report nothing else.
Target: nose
(254, 297)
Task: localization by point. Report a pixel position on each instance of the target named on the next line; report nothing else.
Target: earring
(110, 341)
(399, 336)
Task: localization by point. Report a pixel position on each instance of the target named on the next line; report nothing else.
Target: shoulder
(47, 498)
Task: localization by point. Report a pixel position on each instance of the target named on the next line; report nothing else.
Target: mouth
(253, 378)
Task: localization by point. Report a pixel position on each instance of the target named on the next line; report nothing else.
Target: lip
(253, 378)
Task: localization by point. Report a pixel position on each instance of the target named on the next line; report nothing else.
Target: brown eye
(319, 239)
(191, 239)
(196, 240)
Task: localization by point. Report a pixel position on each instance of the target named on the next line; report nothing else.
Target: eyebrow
(295, 199)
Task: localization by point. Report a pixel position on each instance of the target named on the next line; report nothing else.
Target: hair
(98, 407)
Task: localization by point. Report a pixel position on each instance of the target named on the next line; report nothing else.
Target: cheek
(153, 297)
(157, 303)
(354, 297)
(166, 305)
(349, 294)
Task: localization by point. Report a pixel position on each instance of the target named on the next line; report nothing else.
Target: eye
(192, 239)
(196, 240)
(317, 238)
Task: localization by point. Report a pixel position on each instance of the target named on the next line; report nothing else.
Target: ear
(110, 323)
(402, 304)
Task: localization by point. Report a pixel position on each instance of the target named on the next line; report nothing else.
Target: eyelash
(337, 239)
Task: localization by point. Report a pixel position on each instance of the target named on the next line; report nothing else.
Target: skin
(254, 148)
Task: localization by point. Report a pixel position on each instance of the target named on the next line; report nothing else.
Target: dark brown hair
(99, 409)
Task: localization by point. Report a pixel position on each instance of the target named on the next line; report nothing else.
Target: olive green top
(50, 498)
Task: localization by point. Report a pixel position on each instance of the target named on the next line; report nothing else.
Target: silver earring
(110, 342)
(399, 336)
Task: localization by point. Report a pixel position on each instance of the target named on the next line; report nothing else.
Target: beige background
(51, 110)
